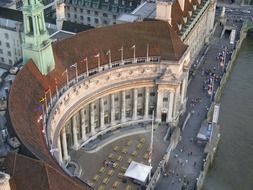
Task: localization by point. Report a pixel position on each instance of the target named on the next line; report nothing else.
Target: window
(96, 20)
(9, 53)
(7, 45)
(96, 13)
(105, 15)
(75, 9)
(2, 59)
(10, 61)
(88, 19)
(75, 16)
(6, 36)
(116, 99)
(81, 17)
(0, 42)
(105, 102)
(68, 15)
(152, 94)
(105, 22)
(1, 51)
(128, 96)
(140, 95)
(114, 16)
(88, 11)
(81, 10)
(165, 99)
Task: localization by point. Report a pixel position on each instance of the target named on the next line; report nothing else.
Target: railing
(80, 78)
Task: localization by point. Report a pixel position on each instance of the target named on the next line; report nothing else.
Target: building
(11, 28)
(10, 38)
(83, 86)
(192, 20)
(97, 12)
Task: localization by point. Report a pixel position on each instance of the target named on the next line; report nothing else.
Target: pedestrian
(195, 163)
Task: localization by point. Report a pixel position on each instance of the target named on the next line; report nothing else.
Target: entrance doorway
(164, 116)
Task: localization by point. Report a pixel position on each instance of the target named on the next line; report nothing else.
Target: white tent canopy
(138, 171)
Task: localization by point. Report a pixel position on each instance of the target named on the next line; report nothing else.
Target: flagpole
(50, 96)
(151, 143)
(67, 76)
(134, 52)
(122, 54)
(147, 52)
(86, 64)
(44, 118)
(110, 58)
(152, 136)
(76, 72)
(98, 56)
(56, 87)
(45, 97)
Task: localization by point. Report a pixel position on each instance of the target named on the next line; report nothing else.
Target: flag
(55, 81)
(97, 55)
(108, 52)
(42, 99)
(133, 47)
(121, 49)
(66, 71)
(40, 118)
(74, 65)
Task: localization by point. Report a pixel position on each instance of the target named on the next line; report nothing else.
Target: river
(233, 164)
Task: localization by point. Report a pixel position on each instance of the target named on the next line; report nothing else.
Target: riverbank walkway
(186, 160)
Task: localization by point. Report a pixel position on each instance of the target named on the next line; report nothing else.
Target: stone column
(112, 110)
(84, 137)
(176, 101)
(159, 105)
(184, 87)
(123, 107)
(171, 103)
(102, 120)
(92, 119)
(59, 151)
(75, 138)
(65, 145)
(146, 102)
(135, 93)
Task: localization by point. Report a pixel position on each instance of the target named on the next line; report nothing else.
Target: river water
(233, 164)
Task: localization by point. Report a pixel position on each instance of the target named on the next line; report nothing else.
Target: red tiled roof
(177, 13)
(30, 174)
(29, 85)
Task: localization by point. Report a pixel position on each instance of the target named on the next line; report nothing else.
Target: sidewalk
(187, 159)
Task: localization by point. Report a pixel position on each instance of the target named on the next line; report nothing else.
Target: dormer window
(179, 26)
(185, 19)
(190, 13)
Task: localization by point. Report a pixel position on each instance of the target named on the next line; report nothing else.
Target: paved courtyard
(120, 152)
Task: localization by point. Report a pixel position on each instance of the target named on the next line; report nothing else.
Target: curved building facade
(102, 79)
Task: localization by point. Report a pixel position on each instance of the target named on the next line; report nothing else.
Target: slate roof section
(30, 174)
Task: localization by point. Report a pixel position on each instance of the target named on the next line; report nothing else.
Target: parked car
(13, 70)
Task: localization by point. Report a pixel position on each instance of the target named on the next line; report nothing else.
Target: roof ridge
(48, 181)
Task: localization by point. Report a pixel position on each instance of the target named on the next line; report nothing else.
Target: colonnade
(134, 104)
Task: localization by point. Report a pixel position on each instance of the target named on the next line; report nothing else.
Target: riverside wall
(211, 146)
